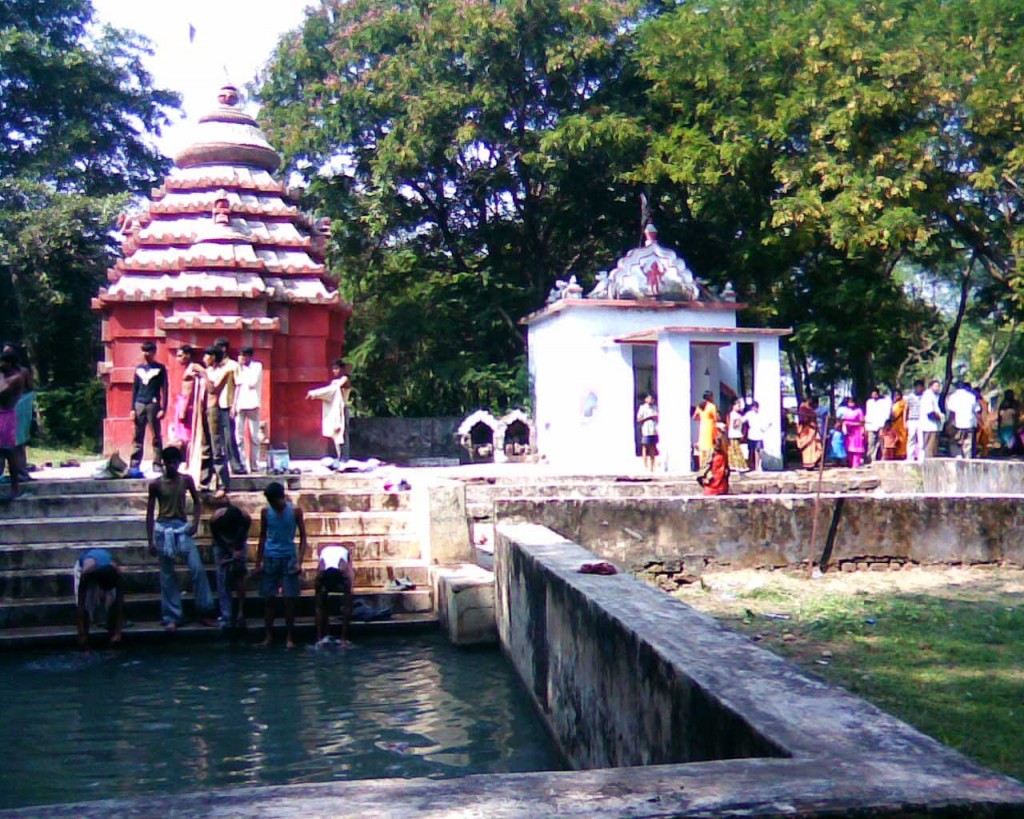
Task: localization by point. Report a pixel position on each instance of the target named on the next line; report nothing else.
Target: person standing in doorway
(248, 396)
(931, 420)
(734, 435)
(647, 418)
(277, 562)
(334, 415)
(149, 406)
(706, 415)
(170, 537)
(964, 410)
(755, 427)
(877, 412)
(214, 430)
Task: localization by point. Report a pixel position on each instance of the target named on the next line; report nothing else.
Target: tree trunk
(954, 331)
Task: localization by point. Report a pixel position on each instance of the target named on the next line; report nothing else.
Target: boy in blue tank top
(277, 562)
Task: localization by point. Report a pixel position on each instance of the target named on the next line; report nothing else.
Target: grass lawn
(39, 455)
(942, 649)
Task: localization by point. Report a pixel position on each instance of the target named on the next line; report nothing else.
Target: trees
(77, 111)
(420, 127)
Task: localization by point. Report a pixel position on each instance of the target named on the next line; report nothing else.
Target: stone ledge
(739, 788)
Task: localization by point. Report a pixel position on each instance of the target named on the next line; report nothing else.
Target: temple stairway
(43, 533)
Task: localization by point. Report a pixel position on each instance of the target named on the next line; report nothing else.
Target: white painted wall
(583, 383)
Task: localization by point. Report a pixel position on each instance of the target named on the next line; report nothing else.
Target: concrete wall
(399, 440)
(609, 697)
(775, 530)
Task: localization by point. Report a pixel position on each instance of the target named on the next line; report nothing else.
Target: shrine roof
(228, 136)
(562, 305)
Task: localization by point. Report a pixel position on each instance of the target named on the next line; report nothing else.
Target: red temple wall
(293, 363)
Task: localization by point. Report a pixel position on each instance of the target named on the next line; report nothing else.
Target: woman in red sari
(716, 475)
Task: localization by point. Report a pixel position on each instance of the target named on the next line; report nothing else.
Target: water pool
(189, 717)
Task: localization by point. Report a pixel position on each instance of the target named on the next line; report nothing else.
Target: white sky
(233, 35)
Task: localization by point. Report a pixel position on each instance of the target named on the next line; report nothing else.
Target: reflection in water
(193, 717)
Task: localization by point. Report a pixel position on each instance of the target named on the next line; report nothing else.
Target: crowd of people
(216, 413)
(173, 514)
(900, 427)
(894, 427)
(735, 444)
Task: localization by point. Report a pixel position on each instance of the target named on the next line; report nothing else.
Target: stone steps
(152, 631)
(102, 528)
(44, 533)
(403, 549)
(36, 612)
(19, 584)
(134, 504)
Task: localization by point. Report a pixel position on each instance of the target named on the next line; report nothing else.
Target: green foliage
(73, 415)
(421, 130)
(77, 111)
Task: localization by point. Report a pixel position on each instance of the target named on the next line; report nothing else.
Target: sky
(233, 40)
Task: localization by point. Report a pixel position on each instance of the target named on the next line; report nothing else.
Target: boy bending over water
(98, 594)
(276, 559)
(334, 575)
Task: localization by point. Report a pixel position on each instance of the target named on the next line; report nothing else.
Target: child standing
(647, 418)
(276, 559)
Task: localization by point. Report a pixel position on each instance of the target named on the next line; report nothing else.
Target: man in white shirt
(755, 424)
(248, 396)
(877, 412)
(912, 419)
(964, 409)
(931, 420)
(334, 575)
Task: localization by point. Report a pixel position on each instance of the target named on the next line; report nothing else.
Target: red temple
(223, 250)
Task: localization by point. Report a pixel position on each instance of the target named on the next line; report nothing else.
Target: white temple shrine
(648, 326)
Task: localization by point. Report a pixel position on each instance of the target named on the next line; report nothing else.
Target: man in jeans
(170, 536)
(149, 405)
(215, 427)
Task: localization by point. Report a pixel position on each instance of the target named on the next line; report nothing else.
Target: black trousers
(145, 415)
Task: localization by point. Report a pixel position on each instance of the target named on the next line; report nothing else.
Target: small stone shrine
(222, 249)
(648, 326)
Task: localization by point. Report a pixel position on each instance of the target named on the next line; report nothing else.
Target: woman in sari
(853, 432)
(716, 473)
(179, 431)
(808, 438)
(984, 439)
(899, 424)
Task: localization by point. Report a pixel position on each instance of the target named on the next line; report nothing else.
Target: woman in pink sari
(853, 432)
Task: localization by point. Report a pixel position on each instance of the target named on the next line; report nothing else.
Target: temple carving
(222, 249)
